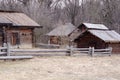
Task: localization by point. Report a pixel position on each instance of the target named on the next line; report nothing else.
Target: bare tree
(71, 9)
(51, 12)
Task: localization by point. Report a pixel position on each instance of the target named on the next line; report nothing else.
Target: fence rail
(7, 54)
(39, 50)
(3, 50)
(70, 51)
(74, 51)
(90, 51)
(103, 51)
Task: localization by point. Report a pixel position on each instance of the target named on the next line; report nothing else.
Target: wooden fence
(107, 51)
(3, 51)
(90, 51)
(51, 52)
(5, 54)
(49, 46)
(74, 51)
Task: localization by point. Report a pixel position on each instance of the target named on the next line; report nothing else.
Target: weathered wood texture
(115, 47)
(7, 52)
(90, 51)
(107, 51)
(39, 50)
(54, 40)
(20, 38)
(70, 51)
(62, 41)
(79, 51)
(41, 45)
(15, 57)
(3, 50)
(88, 40)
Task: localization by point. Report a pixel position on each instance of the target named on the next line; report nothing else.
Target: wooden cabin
(17, 29)
(98, 36)
(61, 34)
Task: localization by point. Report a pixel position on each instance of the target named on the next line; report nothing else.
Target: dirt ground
(62, 68)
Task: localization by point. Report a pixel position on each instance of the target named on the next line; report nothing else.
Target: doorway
(92, 44)
(15, 38)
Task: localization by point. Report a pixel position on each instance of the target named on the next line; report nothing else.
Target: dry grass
(62, 68)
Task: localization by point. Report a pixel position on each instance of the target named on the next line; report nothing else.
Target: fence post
(110, 51)
(92, 52)
(71, 51)
(89, 51)
(8, 49)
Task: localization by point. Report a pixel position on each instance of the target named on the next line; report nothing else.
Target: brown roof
(17, 19)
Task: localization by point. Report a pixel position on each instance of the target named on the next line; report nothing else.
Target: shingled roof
(17, 19)
(62, 30)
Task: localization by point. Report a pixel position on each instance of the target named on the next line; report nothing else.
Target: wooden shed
(98, 36)
(61, 34)
(17, 29)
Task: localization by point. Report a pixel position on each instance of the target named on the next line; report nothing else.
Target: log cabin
(61, 34)
(97, 36)
(17, 29)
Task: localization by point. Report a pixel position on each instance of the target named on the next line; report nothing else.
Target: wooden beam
(8, 49)
(39, 50)
(15, 57)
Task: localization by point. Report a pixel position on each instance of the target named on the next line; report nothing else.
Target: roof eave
(27, 26)
(112, 41)
(56, 35)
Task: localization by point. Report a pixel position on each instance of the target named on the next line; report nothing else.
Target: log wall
(89, 40)
(24, 38)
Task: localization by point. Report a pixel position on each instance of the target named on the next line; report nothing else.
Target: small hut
(98, 36)
(61, 34)
(17, 29)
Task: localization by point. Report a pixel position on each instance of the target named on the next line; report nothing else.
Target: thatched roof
(94, 26)
(17, 19)
(62, 30)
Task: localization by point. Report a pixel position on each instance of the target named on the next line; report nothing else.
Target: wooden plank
(49, 45)
(15, 57)
(92, 53)
(40, 54)
(71, 51)
(102, 49)
(39, 50)
(110, 51)
(8, 49)
(101, 52)
(81, 49)
(1, 53)
(1, 48)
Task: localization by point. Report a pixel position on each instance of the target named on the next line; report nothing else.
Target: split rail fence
(90, 51)
(5, 54)
(7, 51)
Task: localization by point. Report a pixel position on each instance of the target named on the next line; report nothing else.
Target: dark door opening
(15, 39)
(92, 44)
